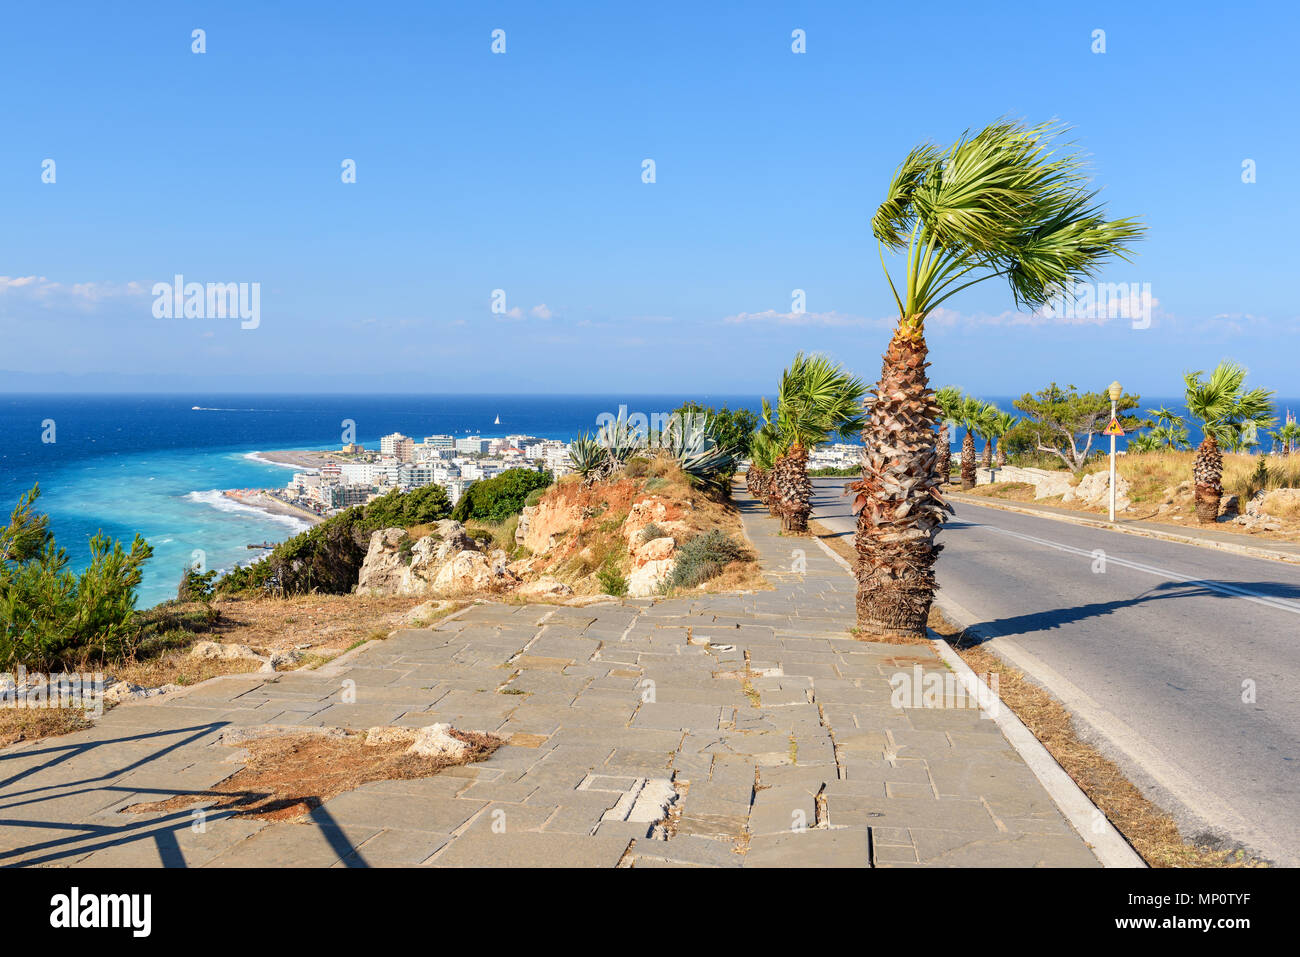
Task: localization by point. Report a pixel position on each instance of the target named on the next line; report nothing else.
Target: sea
(155, 465)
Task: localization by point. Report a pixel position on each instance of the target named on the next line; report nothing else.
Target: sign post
(1113, 430)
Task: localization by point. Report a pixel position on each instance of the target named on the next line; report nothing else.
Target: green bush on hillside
(496, 499)
(51, 618)
(704, 557)
(327, 558)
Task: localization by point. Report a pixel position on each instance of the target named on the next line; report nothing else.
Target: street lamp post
(1115, 392)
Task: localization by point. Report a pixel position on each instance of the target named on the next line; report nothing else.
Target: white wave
(225, 503)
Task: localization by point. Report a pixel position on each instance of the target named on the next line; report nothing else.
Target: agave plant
(817, 399)
(589, 458)
(997, 203)
(1230, 416)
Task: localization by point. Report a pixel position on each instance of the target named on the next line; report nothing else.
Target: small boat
(196, 408)
(263, 545)
(498, 420)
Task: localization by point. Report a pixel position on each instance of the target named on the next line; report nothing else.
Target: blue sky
(522, 172)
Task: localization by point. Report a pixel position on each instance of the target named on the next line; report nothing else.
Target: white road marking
(1234, 591)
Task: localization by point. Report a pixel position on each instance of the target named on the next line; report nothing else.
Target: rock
(643, 513)
(646, 580)
(550, 521)
(218, 651)
(470, 571)
(657, 549)
(422, 613)
(1094, 489)
(384, 567)
(121, 691)
(525, 517)
(544, 588)
(282, 660)
(1280, 502)
(434, 741)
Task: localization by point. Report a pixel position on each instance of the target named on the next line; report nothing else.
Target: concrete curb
(1102, 838)
(1085, 817)
(1246, 551)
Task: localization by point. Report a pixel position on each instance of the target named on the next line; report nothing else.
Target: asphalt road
(1155, 647)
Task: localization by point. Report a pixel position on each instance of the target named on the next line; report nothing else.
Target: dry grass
(287, 776)
(1009, 491)
(1151, 831)
(22, 724)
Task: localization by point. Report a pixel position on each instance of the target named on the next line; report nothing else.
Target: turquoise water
(155, 466)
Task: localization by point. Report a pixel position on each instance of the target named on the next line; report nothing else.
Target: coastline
(259, 499)
(294, 458)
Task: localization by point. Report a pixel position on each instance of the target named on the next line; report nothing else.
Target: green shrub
(637, 467)
(51, 618)
(328, 557)
(704, 557)
(534, 496)
(496, 499)
(612, 581)
(657, 483)
(651, 532)
(195, 585)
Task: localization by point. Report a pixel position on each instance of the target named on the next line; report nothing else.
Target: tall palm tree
(972, 411)
(984, 429)
(948, 399)
(817, 399)
(997, 203)
(1228, 415)
(1002, 423)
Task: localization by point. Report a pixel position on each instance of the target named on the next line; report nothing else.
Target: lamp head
(1116, 390)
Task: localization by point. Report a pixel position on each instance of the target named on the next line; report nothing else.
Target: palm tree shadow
(1058, 618)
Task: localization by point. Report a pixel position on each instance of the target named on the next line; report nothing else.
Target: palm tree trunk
(798, 498)
(1002, 455)
(968, 461)
(944, 448)
(986, 460)
(1207, 473)
(901, 511)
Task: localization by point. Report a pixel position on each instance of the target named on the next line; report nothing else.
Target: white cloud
(82, 295)
(540, 311)
(831, 318)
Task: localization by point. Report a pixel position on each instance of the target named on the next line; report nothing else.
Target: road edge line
(1109, 846)
(1246, 551)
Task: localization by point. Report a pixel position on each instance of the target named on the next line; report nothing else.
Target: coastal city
(331, 481)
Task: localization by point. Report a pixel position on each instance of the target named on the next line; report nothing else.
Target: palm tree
(1003, 422)
(765, 449)
(1170, 430)
(984, 429)
(972, 411)
(1288, 435)
(948, 399)
(816, 400)
(1145, 442)
(1229, 415)
(996, 203)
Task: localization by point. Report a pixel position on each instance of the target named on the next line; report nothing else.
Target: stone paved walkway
(770, 723)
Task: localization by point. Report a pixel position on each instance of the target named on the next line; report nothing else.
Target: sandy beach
(298, 458)
(256, 498)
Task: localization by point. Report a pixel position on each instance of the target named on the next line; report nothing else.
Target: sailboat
(498, 420)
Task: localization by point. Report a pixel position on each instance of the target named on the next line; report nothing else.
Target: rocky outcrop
(388, 569)
(432, 741)
(1094, 489)
(1265, 506)
(657, 549)
(219, 651)
(647, 579)
(544, 587)
(548, 523)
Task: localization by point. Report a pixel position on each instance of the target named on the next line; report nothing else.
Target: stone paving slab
(772, 727)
